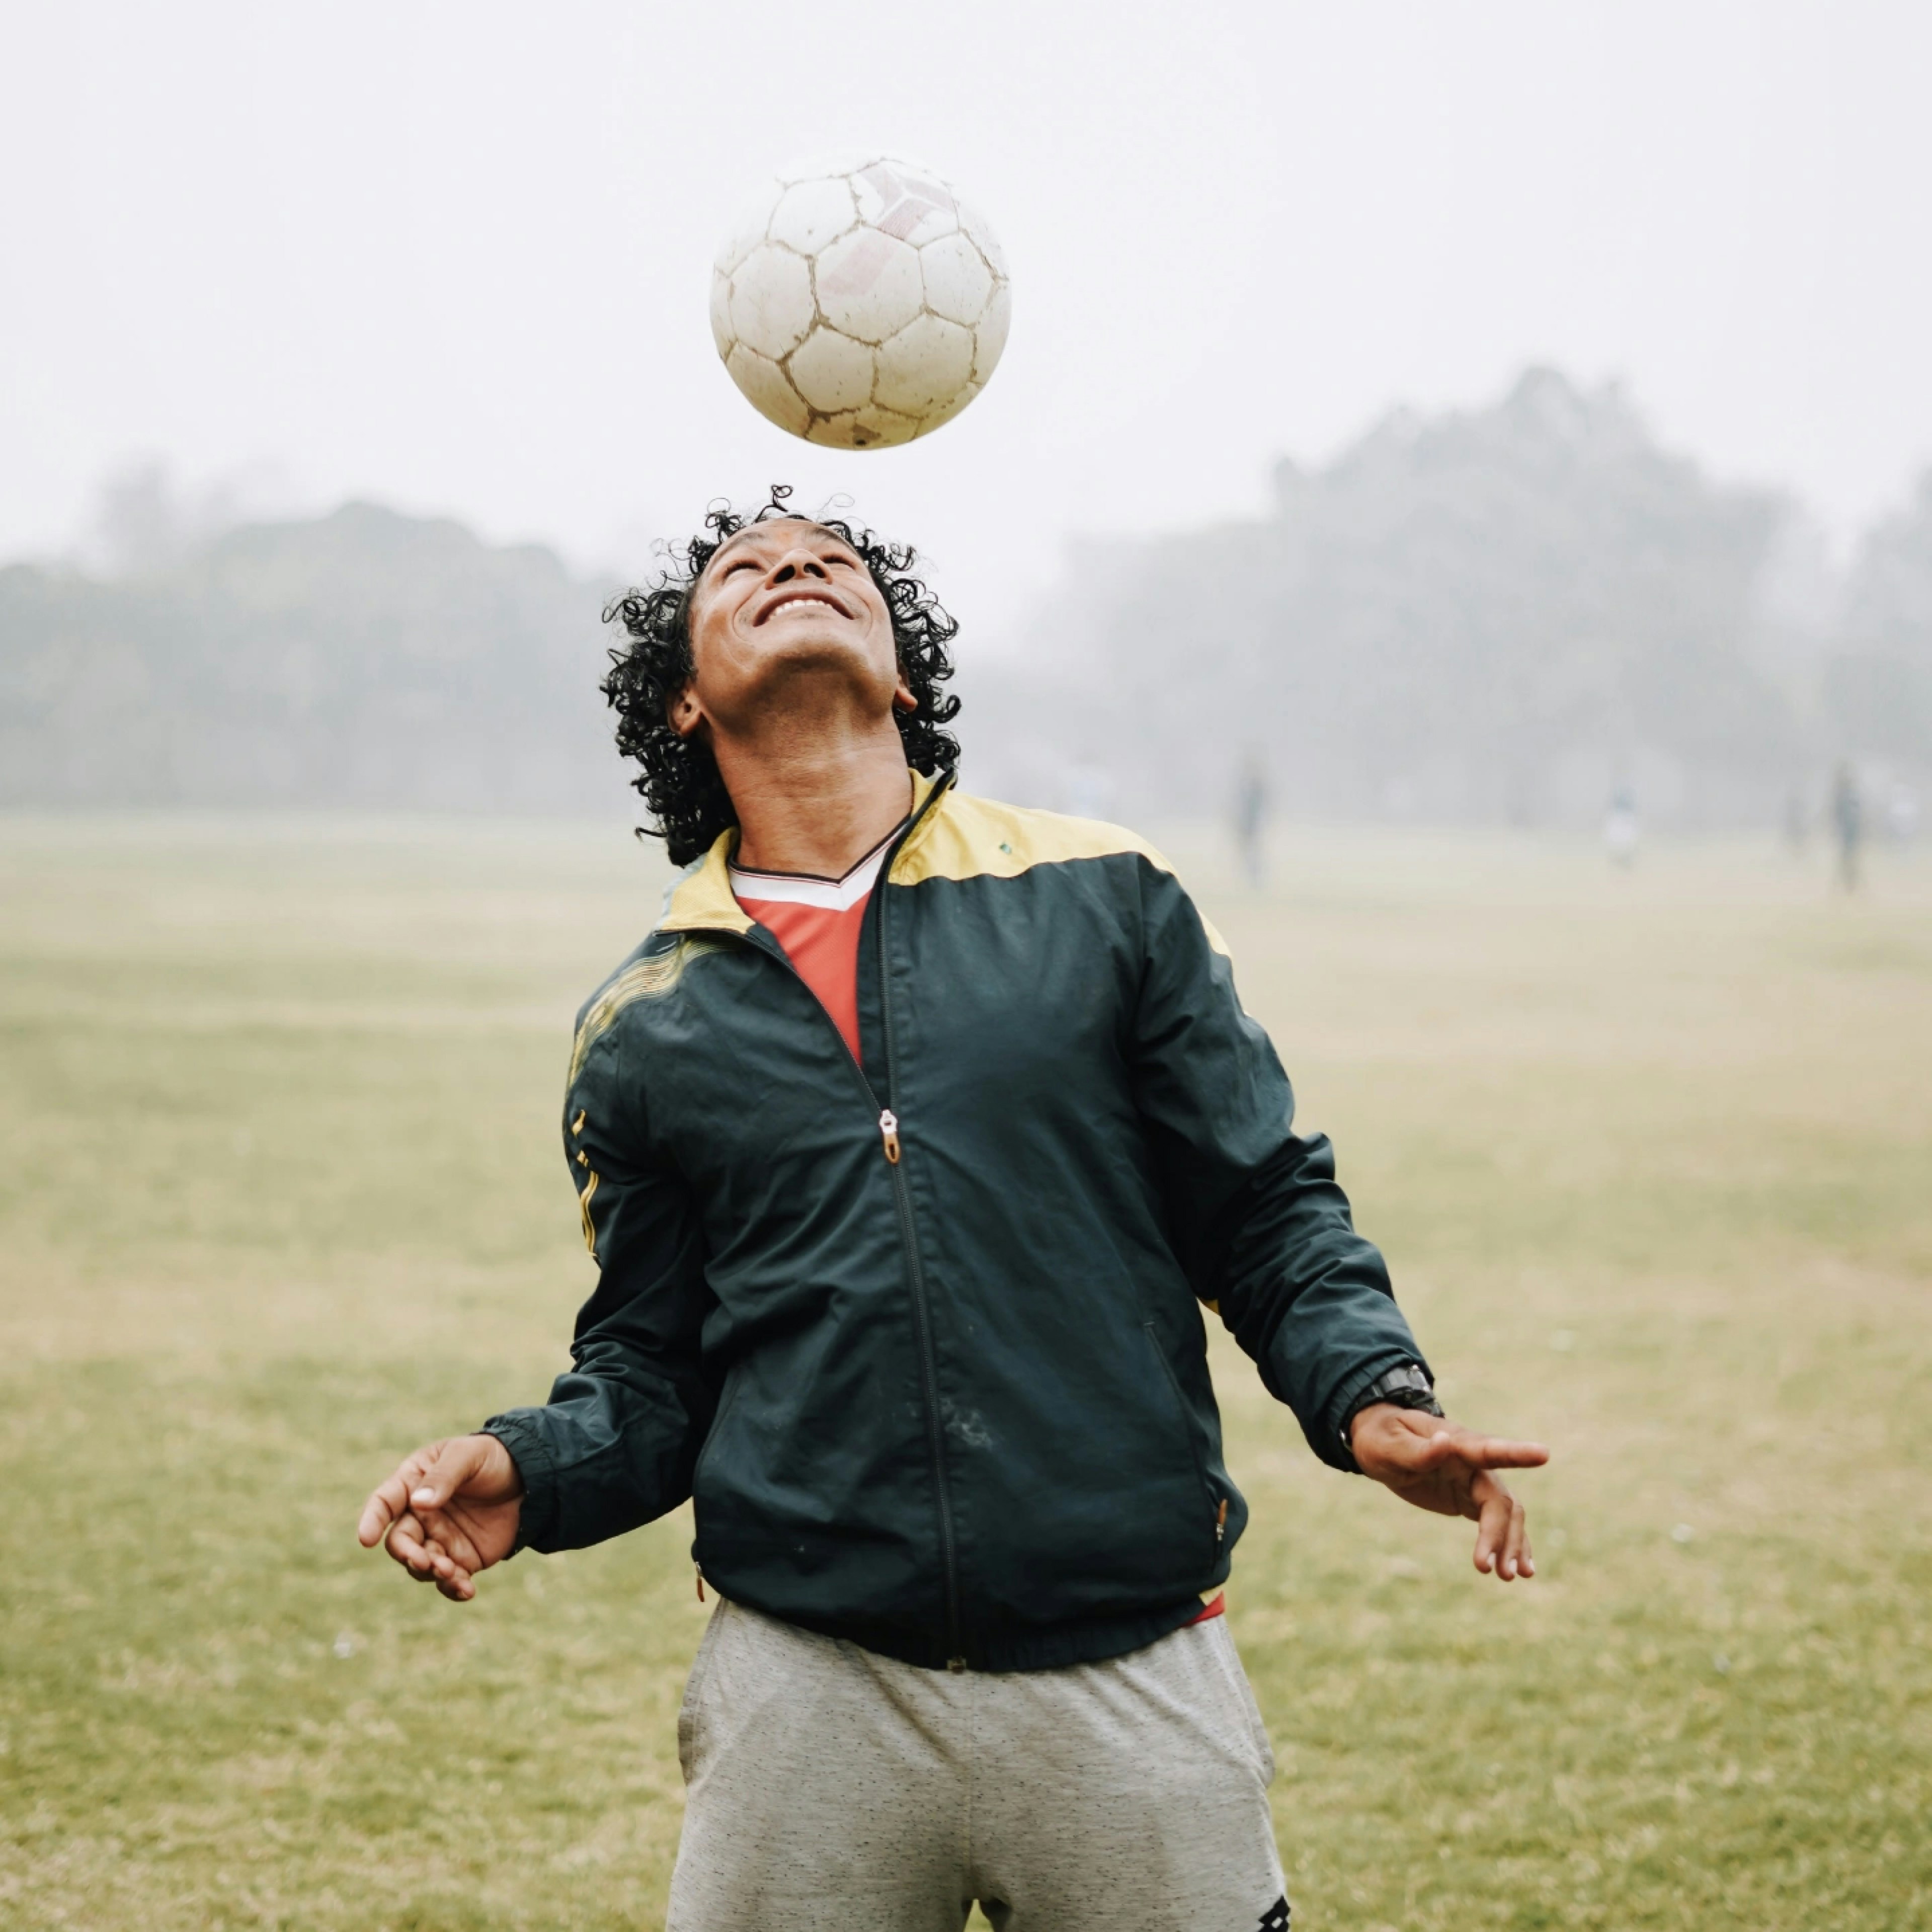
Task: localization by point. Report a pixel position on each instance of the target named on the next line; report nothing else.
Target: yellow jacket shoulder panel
(969, 838)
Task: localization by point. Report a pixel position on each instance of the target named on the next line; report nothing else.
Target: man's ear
(902, 697)
(684, 714)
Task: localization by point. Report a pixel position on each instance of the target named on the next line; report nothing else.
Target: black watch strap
(1407, 1387)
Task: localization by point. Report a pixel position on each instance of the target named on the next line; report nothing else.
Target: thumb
(449, 1470)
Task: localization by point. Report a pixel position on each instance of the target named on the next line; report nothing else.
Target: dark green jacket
(954, 1405)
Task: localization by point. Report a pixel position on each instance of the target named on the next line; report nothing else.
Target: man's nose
(803, 565)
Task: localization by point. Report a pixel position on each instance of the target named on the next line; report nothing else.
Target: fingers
(1494, 1452)
(424, 1480)
(388, 1500)
(1517, 1561)
(407, 1542)
(1502, 1533)
(449, 1471)
(404, 1542)
(444, 1473)
(449, 1533)
(1449, 1442)
(1492, 1518)
(422, 1554)
(397, 1515)
(1420, 1445)
(385, 1505)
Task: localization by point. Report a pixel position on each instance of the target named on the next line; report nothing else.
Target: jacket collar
(927, 793)
(702, 900)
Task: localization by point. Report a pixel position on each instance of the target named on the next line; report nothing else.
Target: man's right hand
(450, 1511)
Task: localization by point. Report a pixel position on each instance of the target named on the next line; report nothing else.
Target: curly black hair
(682, 788)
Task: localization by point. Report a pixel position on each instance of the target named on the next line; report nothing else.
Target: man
(1847, 822)
(910, 1144)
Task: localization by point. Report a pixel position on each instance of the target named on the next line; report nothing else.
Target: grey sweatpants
(831, 1790)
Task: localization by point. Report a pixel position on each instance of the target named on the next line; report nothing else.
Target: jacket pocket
(1214, 1503)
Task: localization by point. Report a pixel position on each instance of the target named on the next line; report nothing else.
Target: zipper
(888, 1141)
(929, 1360)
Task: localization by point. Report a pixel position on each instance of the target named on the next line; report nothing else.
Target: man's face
(781, 602)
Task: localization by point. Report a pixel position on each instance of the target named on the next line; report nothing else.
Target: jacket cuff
(520, 1432)
(1335, 1420)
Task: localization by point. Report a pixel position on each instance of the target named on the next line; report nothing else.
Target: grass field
(280, 1195)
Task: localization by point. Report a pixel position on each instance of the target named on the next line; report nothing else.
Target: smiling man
(912, 1145)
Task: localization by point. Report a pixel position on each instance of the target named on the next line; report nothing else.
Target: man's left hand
(1440, 1466)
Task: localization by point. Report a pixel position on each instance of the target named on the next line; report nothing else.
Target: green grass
(280, 1195)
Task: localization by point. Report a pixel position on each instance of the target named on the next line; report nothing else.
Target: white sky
(456, 256)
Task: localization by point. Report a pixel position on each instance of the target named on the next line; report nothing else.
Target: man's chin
(814, 673)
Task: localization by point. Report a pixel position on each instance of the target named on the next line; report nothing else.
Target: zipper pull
(888, 1132)
(1221, 1521)
(700, 1568)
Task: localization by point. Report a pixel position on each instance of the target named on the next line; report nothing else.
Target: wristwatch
(1406, 1387)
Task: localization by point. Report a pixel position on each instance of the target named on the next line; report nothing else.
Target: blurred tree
(1878, 687)
(362, 659)
(1482, 615)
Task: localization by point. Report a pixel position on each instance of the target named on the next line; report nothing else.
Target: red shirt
(817, 921)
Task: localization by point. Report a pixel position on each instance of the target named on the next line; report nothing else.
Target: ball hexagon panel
(958, 281)
(831, 371)
(771, 307)
(928, 362)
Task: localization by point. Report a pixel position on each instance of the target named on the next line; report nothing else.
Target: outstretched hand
(1440, 1466)
(449, 1510)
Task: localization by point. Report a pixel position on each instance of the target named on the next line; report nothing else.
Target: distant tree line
(363, 659)
(1502, 615)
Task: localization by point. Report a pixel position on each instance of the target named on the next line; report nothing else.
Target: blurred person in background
(911, 1145)
(1621, 828)
(1250, 814)
(1847, 823)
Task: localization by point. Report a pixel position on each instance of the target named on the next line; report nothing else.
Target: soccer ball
(860, 303)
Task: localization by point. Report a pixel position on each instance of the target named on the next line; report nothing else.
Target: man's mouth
(789, 597)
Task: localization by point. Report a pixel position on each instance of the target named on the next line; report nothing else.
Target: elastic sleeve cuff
(537, 1521)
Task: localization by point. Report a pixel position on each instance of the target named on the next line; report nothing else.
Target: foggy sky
(457, 256)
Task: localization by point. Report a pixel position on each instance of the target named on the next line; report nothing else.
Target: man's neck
(815, 802)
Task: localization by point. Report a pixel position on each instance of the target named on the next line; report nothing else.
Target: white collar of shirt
(803, 888)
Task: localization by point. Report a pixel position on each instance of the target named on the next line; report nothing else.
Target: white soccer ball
(860, 303)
